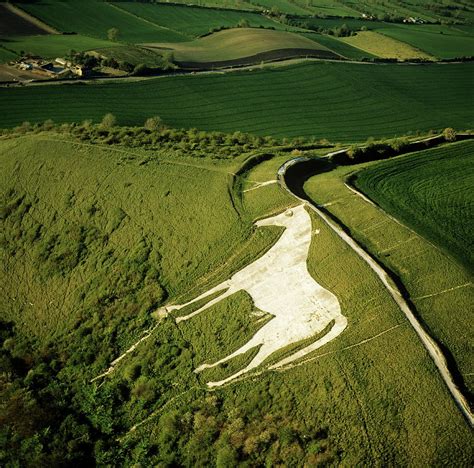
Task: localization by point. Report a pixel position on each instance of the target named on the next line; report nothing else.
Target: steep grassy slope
(237, 43)
(432, 192)
(342, 102)
(94, 236)
(439, 286)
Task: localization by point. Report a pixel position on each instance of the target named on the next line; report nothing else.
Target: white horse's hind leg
(246, 347)
(340, 323)
(264, 352)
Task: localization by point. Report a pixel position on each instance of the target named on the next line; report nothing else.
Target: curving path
(430, 345)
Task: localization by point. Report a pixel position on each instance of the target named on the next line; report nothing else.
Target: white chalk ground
(280, 284)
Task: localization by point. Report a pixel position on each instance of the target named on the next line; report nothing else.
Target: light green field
(95, 235)
(338, 46)
(54, 45)
(383, 46)
(440, 41)
(435, 283)
(236, 43)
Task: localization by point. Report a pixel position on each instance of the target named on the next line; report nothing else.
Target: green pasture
(430, 191)
(383, 46)
(338, 101)
(339, 46)
(53, 45)
(234, 44)
(94, 18)
(440, 41)
(192, 21)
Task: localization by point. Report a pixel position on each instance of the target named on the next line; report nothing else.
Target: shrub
(153, 123)
(108, 121)
(449, 134)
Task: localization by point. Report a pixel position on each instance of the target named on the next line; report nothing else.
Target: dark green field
(341, 102)
(432, 192)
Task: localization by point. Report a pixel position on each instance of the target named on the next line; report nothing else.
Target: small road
(430, 345)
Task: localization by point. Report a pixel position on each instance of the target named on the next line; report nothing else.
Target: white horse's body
(280, 284)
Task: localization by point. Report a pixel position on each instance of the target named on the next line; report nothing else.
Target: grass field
(94, 18)
(338, 101)
(440, 41)
(431, 192)
(338, 46)
(193, 21)
(54, 45)
(100, 233)
(383, 46)
(439, 287)
(237, 43)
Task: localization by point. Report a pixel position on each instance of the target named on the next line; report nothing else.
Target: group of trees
(374, 150)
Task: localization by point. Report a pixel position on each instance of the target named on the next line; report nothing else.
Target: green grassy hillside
(341, 102)
(97, 236)
(432, 192)
(237, 43)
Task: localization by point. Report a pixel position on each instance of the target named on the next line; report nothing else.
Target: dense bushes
(156, 135)
(374, 150)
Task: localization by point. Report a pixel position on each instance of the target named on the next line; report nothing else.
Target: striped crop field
(432, 192)
(339, 101)
(193, 21)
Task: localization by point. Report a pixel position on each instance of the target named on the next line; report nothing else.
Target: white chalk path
(279, 284)
(261, 184)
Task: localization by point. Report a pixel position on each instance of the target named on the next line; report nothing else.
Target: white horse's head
(283, 219)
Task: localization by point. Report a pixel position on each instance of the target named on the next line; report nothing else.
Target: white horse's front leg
(220, 287)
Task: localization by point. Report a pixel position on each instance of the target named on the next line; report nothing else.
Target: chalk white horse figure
(280, 284)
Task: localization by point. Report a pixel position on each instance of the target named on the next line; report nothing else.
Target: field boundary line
(444, 291)
(146, 20)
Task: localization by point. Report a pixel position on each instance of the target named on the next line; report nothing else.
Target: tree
(108, 121)
(449, 134)
(153, 123)
(113, 34)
